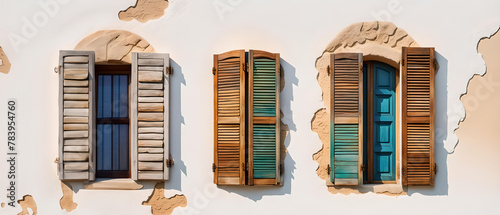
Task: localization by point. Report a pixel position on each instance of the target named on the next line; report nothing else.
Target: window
(114, 119)
(379, 127)
(113, 145)
(247, 118)
(364, 117)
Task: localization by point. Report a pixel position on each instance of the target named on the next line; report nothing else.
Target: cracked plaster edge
(67, 202)
(27, 202)
(452, 142)
(129, 15)
(157, 200)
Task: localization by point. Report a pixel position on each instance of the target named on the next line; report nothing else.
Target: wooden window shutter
(264, 118)
(229, 118)
(76, 115)
(149, 119)
(346, 118)
(418, 116)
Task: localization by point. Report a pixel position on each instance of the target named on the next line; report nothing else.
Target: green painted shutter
(149, 118)
(229, 118)
(264, 118)
(346, 118)
(418, 116)
(76, 115)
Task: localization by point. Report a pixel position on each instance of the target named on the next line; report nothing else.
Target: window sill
(112, 184)
(390, 189)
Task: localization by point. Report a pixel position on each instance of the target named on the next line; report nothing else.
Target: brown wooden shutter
(76, 115)
(149, 121)
(418, 116)
(263, 118)
(229, 118)
(346, 118)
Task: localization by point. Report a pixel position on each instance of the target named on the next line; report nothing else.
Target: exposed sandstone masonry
(377, 41)
(66, 201)
(160, 205)
(4, 62)
(27, 202)
(144, 10)
(481, 101)
(114, 46)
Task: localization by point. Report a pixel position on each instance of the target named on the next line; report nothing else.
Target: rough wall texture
(160, 205)
(144, 10)
(66, 201)
(114, 46)
(27, 202)
(377, 40)
(4, 62)
(479, 131)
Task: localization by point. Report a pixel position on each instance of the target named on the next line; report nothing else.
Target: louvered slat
(264, 118)
(346, 109)
(418, 117)
(264, 151)
(229, 113)
(264, 87)
(77, 128)
(346, 151)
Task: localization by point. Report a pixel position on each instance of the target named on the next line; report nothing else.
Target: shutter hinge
(57, 69)
(213, 167)
(169, 162)
(435, 168)
(403, 61)
(328, 69)
(282, 168)
(169, 70)
(213, 70)
(328, 169)
(362, 168)
(244, 166)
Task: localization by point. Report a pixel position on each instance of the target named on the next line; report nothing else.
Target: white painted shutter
(76, 115)
(150, 116)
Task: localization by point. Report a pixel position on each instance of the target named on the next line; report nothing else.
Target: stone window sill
(112, 184)
(392, 189)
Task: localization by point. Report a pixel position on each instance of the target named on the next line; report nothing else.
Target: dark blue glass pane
(106, 96)
(100, 140)
(100, 91)
(123, 96)
(104, 147)
(124, 147)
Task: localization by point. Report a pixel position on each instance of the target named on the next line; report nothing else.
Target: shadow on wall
(255, 193)
(176, 121)
(440, 132)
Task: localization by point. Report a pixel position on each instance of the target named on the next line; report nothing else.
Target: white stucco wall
(191, 32)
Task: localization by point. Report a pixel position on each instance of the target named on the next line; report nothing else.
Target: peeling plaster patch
(377, 40)
(144, 10)
(66, 201)
(160, 205)
(482, 95)
(114, 46)
(4, 62)
(27, 202)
